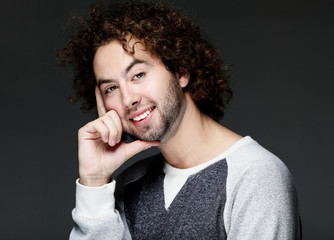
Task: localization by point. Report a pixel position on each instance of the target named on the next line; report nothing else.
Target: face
(148, 99)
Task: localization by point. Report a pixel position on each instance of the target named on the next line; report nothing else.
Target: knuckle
(80, 132)
(82, 129)
(113, 113)
(109, 112)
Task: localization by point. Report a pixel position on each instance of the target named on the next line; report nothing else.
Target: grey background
(282, 56)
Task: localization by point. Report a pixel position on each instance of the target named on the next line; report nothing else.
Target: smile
(143, 115)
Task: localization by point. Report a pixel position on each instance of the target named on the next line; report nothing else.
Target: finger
(99, 128)
(118, 125)
(108, 121)
(139, 146)
(101, 110)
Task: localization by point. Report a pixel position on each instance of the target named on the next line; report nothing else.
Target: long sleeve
(261, 197)
(95, 216)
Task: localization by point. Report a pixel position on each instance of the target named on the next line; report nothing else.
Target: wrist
(94, 182)
(95, 202)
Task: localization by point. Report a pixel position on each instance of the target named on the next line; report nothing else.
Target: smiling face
(148, 99)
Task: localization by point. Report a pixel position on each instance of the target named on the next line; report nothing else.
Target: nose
(130, 97)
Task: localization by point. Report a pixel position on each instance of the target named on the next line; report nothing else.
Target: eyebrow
(103, 81)
(127, 69)
(133, 63)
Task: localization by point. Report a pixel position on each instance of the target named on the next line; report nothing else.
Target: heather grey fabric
(197, 212)
(256, 199)
(261, 198)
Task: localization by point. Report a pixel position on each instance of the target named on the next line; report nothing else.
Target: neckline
(170, 170)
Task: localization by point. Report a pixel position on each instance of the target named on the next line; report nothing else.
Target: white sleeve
(95, 216)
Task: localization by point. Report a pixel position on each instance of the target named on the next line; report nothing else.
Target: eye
(138, 76)
(110, 89)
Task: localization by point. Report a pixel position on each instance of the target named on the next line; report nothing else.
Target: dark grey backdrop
(282, 56)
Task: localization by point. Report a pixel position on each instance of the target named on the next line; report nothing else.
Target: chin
(150, 136)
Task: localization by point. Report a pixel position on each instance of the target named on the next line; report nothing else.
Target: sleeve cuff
(95, 202)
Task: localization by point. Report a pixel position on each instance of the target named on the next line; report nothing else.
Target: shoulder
(259, 184)
(251, 159)
(254, 171)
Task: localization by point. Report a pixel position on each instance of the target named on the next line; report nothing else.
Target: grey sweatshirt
(252, 191)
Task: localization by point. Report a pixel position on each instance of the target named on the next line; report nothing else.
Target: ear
(183, 77)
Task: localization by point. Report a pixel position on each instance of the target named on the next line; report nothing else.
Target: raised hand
(101, 150)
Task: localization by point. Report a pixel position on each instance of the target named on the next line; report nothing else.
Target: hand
(101, 150)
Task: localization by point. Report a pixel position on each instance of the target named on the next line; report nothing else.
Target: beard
(171, 110)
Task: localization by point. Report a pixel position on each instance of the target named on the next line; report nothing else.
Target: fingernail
(113, 143)
(118, 140)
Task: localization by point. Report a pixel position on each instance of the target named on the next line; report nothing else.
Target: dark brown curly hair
(166, 33)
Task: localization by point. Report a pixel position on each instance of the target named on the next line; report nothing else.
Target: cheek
(157, 89)
(110, 105)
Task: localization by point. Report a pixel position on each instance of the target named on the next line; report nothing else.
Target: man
(156, 78)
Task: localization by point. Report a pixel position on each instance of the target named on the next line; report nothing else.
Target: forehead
(112, 56)
(115, 49)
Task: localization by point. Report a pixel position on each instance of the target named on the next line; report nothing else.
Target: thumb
(138, 146)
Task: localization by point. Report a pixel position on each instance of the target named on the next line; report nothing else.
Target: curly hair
(165, 33)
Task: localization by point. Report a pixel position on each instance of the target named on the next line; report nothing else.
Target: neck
(197, 139)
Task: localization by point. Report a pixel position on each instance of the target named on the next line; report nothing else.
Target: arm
(95, 215)
(100, 153)
(264, 203)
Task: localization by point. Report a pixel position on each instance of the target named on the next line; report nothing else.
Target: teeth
(142, 116)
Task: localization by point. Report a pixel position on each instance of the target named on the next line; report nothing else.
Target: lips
(143, 115)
